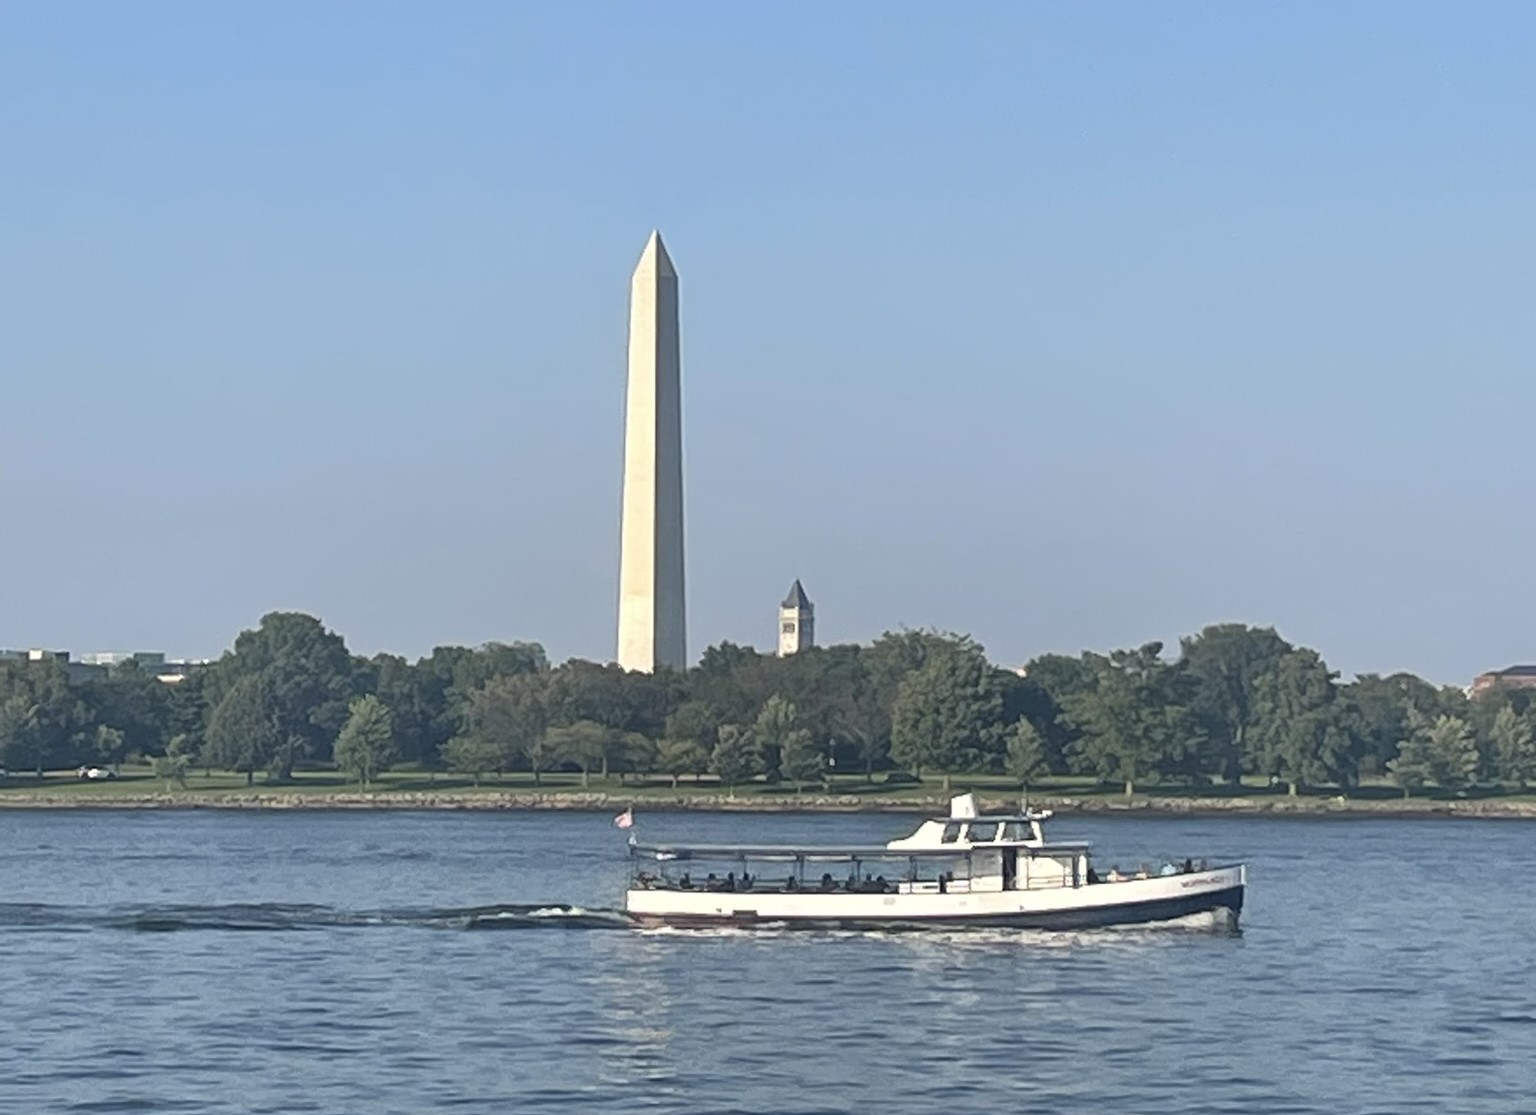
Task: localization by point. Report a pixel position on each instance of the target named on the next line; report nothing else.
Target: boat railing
(757, 885)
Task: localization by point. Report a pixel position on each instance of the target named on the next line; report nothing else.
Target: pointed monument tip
(655, 255)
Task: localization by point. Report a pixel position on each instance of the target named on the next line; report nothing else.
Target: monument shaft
(652, 614)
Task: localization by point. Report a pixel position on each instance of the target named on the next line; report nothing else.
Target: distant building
(797, 622)
(148, 660)
(172, 673)
(76, 671)
(99, 664)
(1511, 677)
(152, 662)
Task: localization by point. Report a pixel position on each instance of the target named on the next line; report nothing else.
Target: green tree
(1298, 730)
(680, 755)
(512, 713)
(16, 733)
(307, 679)
(442, 688)
(244, 733)
(625, 705)
(42, 717)
(1379, 709)
(183, 746)
(1133, 722)
(134, 703)
(186, 717)
(631, 753)
(1442, 751)
(737, 757)
(735, 681)
(948, 714)
(830, 689)
(108, 745)
(171, 768)
(446, 679)
(181, 753)
(1226, 662)
(1026, 753)
(862, 722)
(802, 760)
(694, 723)
(1052, 680)
(776, 720)
(695, 720)
(585, 743)
(396, 683)
(366, 744)
(472, 755)
(895, 654)
(581, 690)
(1513, 745)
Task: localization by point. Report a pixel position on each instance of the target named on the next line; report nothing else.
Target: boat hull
(1135, 902)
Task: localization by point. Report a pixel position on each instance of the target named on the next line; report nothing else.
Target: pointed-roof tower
(797, 621)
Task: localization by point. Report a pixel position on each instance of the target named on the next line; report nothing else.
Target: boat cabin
(960, 833)
(966, 852)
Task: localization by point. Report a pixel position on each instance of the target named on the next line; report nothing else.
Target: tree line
(1234, 701)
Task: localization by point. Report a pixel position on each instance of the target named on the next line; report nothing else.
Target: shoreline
(811, 803)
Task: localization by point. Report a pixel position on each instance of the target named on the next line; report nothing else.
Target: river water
(348, 962)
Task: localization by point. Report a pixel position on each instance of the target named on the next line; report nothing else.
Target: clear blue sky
(1070, 326)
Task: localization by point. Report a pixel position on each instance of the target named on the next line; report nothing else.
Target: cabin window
(1016, 830)
(951, 834)
(983, 831)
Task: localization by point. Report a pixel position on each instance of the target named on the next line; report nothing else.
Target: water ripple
(247, 963)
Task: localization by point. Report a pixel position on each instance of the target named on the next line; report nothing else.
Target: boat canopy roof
(964, 831)
(867, 851)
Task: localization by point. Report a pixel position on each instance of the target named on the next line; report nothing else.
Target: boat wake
(1209, 923)
(276, 917)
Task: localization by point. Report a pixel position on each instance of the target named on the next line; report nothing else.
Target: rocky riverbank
(599, 802)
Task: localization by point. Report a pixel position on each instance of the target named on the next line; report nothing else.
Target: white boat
(967, 869)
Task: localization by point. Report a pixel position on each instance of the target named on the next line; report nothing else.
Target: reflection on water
(334, 962)
(636, 1009)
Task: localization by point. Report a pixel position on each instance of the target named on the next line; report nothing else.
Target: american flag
(625, 819)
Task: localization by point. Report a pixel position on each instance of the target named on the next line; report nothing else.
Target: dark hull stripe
(1127, 913)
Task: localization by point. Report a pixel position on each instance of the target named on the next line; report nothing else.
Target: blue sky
(1070, 326)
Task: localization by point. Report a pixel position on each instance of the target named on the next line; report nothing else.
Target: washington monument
(652, 615)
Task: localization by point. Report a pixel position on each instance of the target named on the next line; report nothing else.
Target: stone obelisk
(652, 616)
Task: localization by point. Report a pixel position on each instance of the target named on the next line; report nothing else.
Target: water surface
(408, 962)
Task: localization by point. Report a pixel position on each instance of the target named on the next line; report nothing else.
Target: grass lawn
(137, 782)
